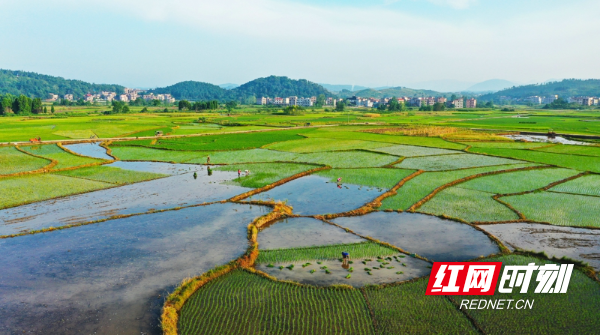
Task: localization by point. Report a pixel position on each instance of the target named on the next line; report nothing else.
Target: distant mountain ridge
(491, 85)
(391, 92)
(564, 88)
(37, 85)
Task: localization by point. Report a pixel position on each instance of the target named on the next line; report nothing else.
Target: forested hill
(193, 90)
(272, 86)
(391, 92)
(564, 89)
(39, 85)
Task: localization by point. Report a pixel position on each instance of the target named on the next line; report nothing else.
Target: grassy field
(323, 144)
(420, 186)
(244, 303)
(452, 162)
(111, 175)
(558, 208)
(405, 309)
(65, 159)
(347, 159)
(581, 163)
(468, 205)
(520, 181)
(357, 250)
(548, 315)
(31, 188)
(14, 161)
(383, 178)
(265, 173)
(585, 185)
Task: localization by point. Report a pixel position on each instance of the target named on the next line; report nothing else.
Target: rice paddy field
(321, 178)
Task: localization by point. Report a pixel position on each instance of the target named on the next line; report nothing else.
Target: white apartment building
(305, 102)
(68, 97)
(549, 99)
(458, 103)
(534, 100)
(52, 97)
(471, 103)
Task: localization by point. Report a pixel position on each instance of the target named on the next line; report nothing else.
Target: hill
(491, 85)
(193, 90)
(390, 92)
(564, 89)
(37, 85)
(338, 88)
(275, 86)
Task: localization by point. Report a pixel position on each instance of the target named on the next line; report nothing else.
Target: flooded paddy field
(112, 277)
(429, 236)
(303, 232)
(312, 195)
(575, 243)
(179, 190)
(90, 150)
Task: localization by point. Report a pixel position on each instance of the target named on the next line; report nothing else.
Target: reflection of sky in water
(437, 239)
(539, 138)
(175, 191)
(111, 277)
(312, 195)
(89, 149)
(303, 232)
(158, 167)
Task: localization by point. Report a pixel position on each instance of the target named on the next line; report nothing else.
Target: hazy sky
(147, 43)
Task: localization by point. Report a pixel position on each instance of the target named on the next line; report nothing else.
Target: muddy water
(313, 195)
(575, 243)
(412, 268)
(175, 191)
(89, 149)
(540, 138)
(303, 232)
(112, 277)
(437, 239)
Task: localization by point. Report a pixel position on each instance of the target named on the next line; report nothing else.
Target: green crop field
(14, 161)
(65, 159)
(420, 186)
(405, 309)
(575, 312)
(246, 156)
(520, 181)
(585, 185)
(558, 208)
(265, 173)
(347, 159)
(573, 149)
(111, 175)
(38, 187)
(383, 178)
(581, 163)
(244, 303)
(357, 250)
(507, 145)
(468, 205)
(323, 144)
(452, 162)
(414, 151)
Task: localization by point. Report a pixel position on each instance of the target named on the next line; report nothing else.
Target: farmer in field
(239, 173)
(247, 172)
(208, 159)
(345, 258)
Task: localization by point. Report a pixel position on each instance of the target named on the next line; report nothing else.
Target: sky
(151, 43)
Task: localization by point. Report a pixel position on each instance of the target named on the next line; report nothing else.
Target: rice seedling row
(413, 151)
(469, 205)
(65, 159)
(244, 303)
(573, 149)
(315, 144)
(14, 161)
(111, 175)
(581, 163)
(264, 173)
(520, 181)
(356, 250)
(347, 159)
(585, 185)
(453, 162)
(382, 177)
(557, 208)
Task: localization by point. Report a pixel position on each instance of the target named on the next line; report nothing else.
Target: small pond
(112, 277)
(541, 138)
(312, 195)
(429, 236)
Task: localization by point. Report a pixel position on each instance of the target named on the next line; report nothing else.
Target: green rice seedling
(351, 270)
(306, 264)
(245, 303)
(65, 159)
(322, 144)
(422, 185)
(558, 208)
(368, 260)
(469, 205)
(367, 269)
(111, 175)
(453, 162)
(324, 267)
(265, 173)
(327, 272)
(379, 257)
(581, 163)
(403, 264)
(270, 265)
(369, 273)
(348, 276)
(313, 271)
(290, 267)
(390, 267)
(246, 156)
(319, 262)
(401, 256)
(364, 262)
(412, 151)
(585, 185)
(14, 161)
(327, 252)
(347, 159)
(399, 272)
(381, 266)
(519, 181)
(383, 178)
(435, 142)
(572, 149)
(281, 267)
(340, 260)
(350, 262)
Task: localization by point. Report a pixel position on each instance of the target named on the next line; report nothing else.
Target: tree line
(21, 105)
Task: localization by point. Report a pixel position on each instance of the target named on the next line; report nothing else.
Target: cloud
(458, 4)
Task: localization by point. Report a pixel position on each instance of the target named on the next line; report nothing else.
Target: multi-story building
(549, 99)
(441, 100)
(313, 99)
(88, 98)
(458, 103)
(328, 102)
(52, 97)
(304, 102)
(417, 102)
(123, 98)
(471, 103)
(587, 101)
(430, 101)
(68, 97)
(261, 101)
(533, 100)
(293, 101)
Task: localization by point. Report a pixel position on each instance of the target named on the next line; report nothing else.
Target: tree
(438, 106)
(6, 104)
(320, 100)
(36, 106)
(489, 104)
(156, 102)
(117, 106)
(231, 105)
(184, 104)
(52, 109)
(340, 106)
(293, 110)
(45, 110)
(453, 97)
(125, 108)
(22, 105)
(395, 106)
(144, 110)
(251, 100)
